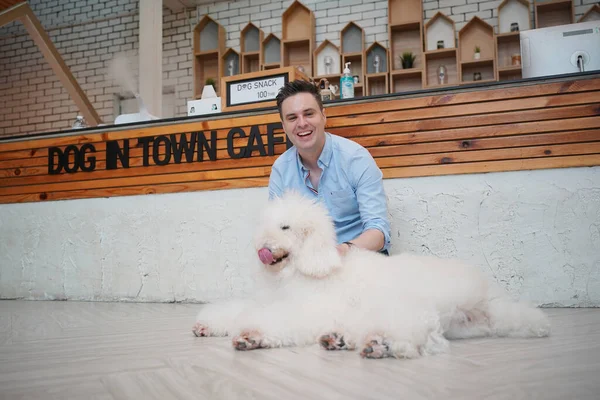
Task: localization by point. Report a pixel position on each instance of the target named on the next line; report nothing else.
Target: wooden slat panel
(34, 175)
(463, 110)
(470, 97)
(6, 153)
(491, 155)
(487, 119)
(137, 190)
(253, 172)
(423, 103)
(550, 125)
(493, 166)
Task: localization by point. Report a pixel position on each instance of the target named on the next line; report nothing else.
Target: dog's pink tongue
(265, 255)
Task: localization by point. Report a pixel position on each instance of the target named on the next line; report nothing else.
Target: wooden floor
(70, 350)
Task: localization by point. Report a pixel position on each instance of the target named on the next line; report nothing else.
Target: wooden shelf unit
(376, 82)
(507, 45)
(251, 38)
(233, 57)
(476, 33)
(270, 52)
(298, 37)
(434, 59)
(406, 80)
(405, 33)
(553, 13)
(405, 38)
(208, 41)
(440, 27)
(510, 11)
(592, 14)
(327, 49)
(352, 40)
(402, 12)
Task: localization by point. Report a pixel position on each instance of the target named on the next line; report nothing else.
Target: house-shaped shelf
(270, 54)
(406, 39)
(440, 30)
(251, 38)
(476, 33)
(298, 37)
(513, 16)
(593, 14)
(402, 12)
(553, 13)
(327, 60)
(208, 39)
(512, 12)
(441, 55)
(405, 33)
(352, 40)
(377, 75)
(231, 63)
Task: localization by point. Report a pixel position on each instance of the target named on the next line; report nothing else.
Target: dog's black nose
(368, 350)
(241, 345)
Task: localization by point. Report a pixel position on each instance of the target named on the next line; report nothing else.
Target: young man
(338, 172)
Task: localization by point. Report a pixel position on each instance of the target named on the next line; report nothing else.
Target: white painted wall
(535, 232)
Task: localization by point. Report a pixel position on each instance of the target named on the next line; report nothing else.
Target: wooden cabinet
(513, 16)
(352, 39)
(440, 52)
(251, 38)
(230, 64)
(298, 37)
(553, 13)
(405, 32)
(476, 35)
(270, 53)
(209, 45)
(376, 78)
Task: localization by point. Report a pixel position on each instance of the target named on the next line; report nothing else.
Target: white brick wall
(88, 33)
(87, 36)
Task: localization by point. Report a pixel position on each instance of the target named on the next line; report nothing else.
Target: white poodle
(403, 306)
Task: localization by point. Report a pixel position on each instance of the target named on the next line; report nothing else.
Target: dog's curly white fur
(403, 306)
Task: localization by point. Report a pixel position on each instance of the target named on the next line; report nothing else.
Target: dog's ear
(318, 256)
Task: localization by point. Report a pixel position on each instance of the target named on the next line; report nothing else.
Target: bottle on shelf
(347, 83)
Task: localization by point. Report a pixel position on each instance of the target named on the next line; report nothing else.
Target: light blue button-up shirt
(351, 186)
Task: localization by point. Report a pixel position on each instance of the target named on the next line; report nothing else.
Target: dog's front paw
(376, 346)
(201, 330)
(335, 341)
(380, 346)
(247, 340)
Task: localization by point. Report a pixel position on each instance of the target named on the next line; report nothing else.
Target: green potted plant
(407, 58)
(477, 54)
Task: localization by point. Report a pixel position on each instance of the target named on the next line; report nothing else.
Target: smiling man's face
(304, 123)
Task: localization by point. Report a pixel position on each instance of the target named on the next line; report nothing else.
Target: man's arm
(367, 178)
(275, 183)
(371, 239)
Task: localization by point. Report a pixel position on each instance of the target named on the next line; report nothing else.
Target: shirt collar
(326, 154)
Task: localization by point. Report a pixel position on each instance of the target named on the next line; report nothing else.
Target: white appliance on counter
(563, 49)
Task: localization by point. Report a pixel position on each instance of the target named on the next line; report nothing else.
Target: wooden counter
(533, 124)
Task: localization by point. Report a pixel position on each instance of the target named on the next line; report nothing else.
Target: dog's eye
(284, 227)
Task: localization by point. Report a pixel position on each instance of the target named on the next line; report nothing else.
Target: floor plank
(77, 350)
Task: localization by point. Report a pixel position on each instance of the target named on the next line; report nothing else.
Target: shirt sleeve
(275, 183)
(370, 194)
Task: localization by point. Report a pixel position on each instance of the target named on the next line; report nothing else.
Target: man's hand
(343, 249)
